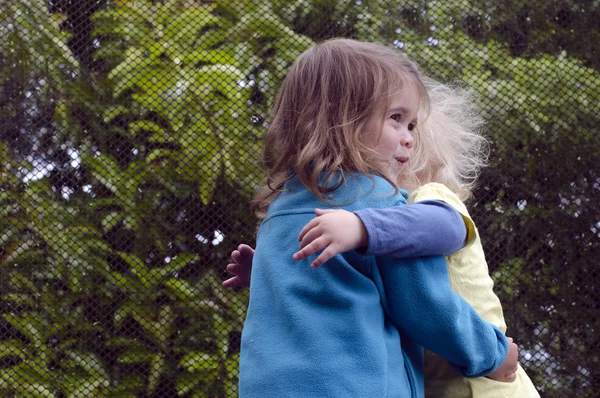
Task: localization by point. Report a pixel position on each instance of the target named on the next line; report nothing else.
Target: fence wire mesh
(130, 133)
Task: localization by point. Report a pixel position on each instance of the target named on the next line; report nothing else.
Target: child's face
(396, 141)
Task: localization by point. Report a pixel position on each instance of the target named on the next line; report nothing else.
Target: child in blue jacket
(447, 156)
(340, 135)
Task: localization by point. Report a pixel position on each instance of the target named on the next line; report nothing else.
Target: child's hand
(241, 267)
(507, 372)
(336, 231)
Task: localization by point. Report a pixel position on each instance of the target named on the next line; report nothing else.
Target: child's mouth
(402, 159)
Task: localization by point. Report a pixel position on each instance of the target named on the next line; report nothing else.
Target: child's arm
(338, 231)
(420, 301)
(428, 228)
(242, 266)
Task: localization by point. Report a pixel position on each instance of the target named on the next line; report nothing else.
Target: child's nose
(407, 140)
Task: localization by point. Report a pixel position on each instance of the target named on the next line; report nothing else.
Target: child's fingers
(513, 374)
(311, 224)
(234, 281)
(310, 249)
(320, 212)
(310, 236)
(241, 253)
(245, 250)
(511, 377)
(234, 268)
(329, 252)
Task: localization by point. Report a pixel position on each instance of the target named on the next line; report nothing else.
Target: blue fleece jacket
(356, 326)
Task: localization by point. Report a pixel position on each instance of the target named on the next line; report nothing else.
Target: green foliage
(77, 304)
(31, 39)
(106, 281)
(109, 200)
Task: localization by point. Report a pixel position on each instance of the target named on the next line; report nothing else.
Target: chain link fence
(130, 133)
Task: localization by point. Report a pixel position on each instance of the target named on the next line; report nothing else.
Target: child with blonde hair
(449, 152)
(340, 135)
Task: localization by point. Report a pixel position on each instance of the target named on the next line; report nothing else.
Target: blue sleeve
(427, 228)
(420, 301)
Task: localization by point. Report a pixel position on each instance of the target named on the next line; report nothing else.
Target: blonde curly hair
(450, 147)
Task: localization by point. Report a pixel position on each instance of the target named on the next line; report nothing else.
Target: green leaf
(14, 348)
(208, 179)
(22, 299)
(146, 125)
(30, 378)
(175, 265)
(161, 329)
(123, 311)
(158, 154)
(212, 57)
(86, 387)
(31, 324)
(187, 381)
(136, 355)
(126, 387)
(128, 284)
(167, 93)
(232, 367)
(199, 361)
(158, 367)
(164, 326)
(111, 220)
(182, 289)
(37, 390)
(18, 251)
(138, 268)
(114, 111)
(133, 71)
(20, 281)
(90, 363)
(105, 170)
(221, 77)
(130, 23)
(202, 306)
(182, 31)
(122, 341)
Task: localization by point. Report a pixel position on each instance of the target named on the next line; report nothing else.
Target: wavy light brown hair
(318, 127)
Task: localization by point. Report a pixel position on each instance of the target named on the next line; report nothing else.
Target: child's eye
(411, 126)
(397, 117)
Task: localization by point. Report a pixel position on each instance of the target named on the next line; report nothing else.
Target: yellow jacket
(469, 277)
